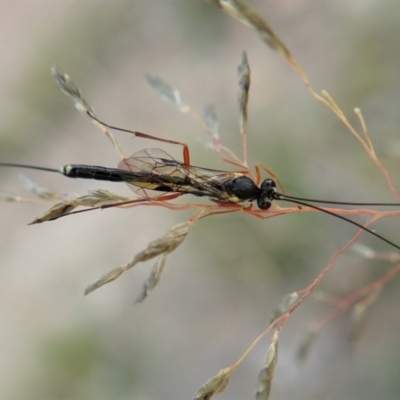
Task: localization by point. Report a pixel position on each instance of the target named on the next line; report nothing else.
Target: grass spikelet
(214, 385)
(267, 373)
(159, 247)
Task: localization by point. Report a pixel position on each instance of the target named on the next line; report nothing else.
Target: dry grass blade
(307, 342)
(167, 92)
(57, 211)
(210, 118)
(68, 87)
(267, 372)
(241, 11)
(99, 197)
(162, 246)
(244, 86)
(358, 313)
(285, 304)
(38, 190)
(108, 277)
(95, 198)
(243, 99)
(368, 140)
(214, 385)
(151, 282)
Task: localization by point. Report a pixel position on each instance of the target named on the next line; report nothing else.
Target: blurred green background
(220, 287)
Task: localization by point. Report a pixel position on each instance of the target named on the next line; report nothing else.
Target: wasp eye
(266, 194)
(267, 184)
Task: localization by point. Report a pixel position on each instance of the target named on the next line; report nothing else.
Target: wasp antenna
(29, 167)
(345, 203)
(279, 196)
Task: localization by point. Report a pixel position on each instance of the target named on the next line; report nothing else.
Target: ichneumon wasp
(153, 169)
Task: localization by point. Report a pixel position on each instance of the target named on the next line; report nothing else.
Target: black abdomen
(93, 172)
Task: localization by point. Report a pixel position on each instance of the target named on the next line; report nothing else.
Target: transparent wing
(150, 166)
(154, 161)
(154, 169)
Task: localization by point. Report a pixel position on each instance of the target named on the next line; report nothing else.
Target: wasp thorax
(243, 188)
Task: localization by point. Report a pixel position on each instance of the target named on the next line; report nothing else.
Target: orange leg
(186, 156)
(237, 164)
(271, 173)
(230, 208)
